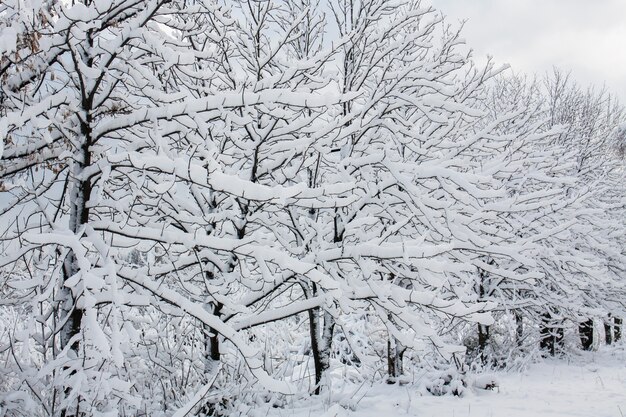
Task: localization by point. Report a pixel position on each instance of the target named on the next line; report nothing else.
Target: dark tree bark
(314, 329)
(483, 331)
(321, 343)
(212, 341)
(608, 330)
(551, 335)
(391, 363)
(483, 340)
(519, 329)
(585, 330)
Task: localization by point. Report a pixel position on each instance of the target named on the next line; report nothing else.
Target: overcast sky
(587, 37)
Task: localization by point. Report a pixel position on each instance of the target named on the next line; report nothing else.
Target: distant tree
(563, 194)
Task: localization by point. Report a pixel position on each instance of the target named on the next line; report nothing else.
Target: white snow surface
(591, 384)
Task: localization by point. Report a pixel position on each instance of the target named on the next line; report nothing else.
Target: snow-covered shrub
(450, 381)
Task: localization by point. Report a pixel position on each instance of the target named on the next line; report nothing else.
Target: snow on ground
(591, 384)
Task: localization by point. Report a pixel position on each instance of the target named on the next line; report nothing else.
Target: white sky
(587, 37)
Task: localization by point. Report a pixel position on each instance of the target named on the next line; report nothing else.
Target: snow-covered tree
(96, 111)
(192, 192)
(554, 209)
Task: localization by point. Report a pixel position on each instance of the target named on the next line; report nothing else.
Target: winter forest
(229, 207)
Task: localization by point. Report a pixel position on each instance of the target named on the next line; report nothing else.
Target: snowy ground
(592, 384)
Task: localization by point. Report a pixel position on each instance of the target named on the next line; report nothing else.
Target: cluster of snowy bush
(203, 204)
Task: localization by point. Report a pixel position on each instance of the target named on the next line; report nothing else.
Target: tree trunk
(212, 354)
(519, 329)
(79, 216)
(68, 310)
(608, 330)
(328, 332)
(483, 331)
(321, 344)
(618, 329)
(483, 341)
(212, 342)
(559, 338)
(211, 360)
(585, 330)
(395, 358)
(546, 341)
(314, 329)
(211, 337)
(551, 335)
